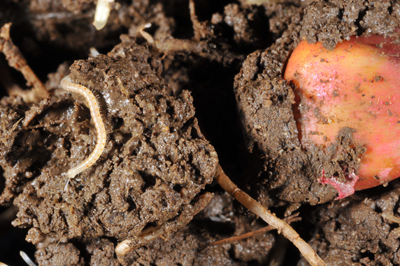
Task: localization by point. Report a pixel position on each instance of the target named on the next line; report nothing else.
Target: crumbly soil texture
(201, 86)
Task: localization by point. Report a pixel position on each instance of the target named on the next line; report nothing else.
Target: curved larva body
(94, 107)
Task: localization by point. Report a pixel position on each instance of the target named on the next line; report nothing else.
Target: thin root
(230, 240)
(146, 35)
(149, 234)
(204, 49)
(197, 27)
(391, 218)
(309, 254)
(16, 60)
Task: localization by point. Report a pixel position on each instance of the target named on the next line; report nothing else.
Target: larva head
(356, 85)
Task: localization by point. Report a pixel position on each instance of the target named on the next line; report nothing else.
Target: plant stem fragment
(290, 219)
(16, 60)
(252, 205)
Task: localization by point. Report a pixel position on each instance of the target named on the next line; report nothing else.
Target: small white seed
(102, 12)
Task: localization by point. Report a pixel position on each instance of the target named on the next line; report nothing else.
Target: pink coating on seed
(344, 189)
(356, 85)
(67, 85)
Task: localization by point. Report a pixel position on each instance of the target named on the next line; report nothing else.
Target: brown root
(16, 60)
(252, 205)
(290, 219)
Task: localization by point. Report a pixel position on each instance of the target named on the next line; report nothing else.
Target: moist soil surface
(201, 86)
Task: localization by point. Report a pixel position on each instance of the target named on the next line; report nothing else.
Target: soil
(205, 89)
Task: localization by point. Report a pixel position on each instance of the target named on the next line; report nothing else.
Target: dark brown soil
(209, 90)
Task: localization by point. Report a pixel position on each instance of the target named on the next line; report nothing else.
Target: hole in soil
(149, 180)
(218, 118)
(337, 226)
(147, 133)
(170, 111)
(379, 190)
(177, 188)
(2, 181)
(117, 122)
(164, 203)
(67, 146)
(369, 255)
(378, 209)
(393, 226)
(82, 249)
(396, 208)
(83, 113)
(194, 134)
(220, 229)
(148, 227)
(132, 204)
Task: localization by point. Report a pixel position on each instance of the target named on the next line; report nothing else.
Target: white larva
(94, 108)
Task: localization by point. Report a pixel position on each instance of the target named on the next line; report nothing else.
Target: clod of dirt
(155, 162)
(59, 254)
(254, 26)
(266, 101)
(194, 240)
(362, 230)
(188, 246)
